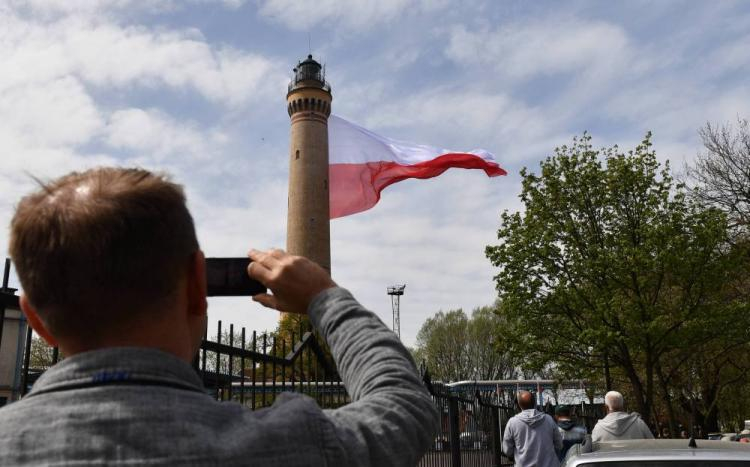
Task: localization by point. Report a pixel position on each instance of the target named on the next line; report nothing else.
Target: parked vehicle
(723, 436)
(658, 453)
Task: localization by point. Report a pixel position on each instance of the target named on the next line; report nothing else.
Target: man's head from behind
(562, 412)
(614, 402)
(98, 251)
(525, 400)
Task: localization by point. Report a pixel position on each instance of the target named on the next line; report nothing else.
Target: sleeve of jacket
(556, 436)
(509, 445)
(646, 431)
(596, 433)
(392, 419)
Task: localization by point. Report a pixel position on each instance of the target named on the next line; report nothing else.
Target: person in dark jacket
(571, 432)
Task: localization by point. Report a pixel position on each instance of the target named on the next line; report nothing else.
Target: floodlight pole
(395, 291)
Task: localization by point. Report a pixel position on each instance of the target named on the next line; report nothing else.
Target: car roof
(669, 444)
(660, 449)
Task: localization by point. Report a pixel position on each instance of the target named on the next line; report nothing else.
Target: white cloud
(731, 57)
(159, 136)
(546, 47)
(52, 8)
(59, 113)
(108, 55)
(351, 14)
(112, 56)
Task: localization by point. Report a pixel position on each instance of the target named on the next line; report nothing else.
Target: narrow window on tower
(325, 184)
(296, 156)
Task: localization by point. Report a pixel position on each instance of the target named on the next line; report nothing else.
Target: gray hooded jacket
(532, 439)
(145, 407)
(621, 425)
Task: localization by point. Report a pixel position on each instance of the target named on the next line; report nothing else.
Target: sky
(197, 88)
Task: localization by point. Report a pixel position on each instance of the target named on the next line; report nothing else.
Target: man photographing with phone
(112, 274)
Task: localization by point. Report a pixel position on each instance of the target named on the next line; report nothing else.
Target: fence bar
(273, 374)
(291, 376)
(231, 357)
(242, 369)
(317, 383)
(5, 290)
(265, 350)
(301, 359)
(203, 354)
(255, 352)
(455, 436)
(283, 367)
(496, 446)
(309, 372)
(26, 359)
(218, 360)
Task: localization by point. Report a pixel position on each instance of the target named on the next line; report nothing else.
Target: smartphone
(227, 277)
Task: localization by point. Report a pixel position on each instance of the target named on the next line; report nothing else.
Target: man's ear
(196, 284)
(35, 321)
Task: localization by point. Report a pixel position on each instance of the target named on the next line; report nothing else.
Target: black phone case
(227, 277)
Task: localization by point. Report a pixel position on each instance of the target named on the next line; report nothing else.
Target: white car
(658, 453)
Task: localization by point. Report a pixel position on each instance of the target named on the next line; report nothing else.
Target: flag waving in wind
(362, 164)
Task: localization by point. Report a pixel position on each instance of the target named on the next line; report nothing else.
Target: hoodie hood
(617, 423)
(531, 417)
(566, 424)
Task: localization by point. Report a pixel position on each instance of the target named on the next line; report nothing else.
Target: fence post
(455, 434)
(26, 360)
(496, 443)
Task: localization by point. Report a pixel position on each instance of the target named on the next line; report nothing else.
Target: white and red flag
(362, 164)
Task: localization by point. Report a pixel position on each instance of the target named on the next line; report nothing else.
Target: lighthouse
(308, 222)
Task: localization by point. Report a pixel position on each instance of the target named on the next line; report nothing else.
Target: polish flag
(362, 164)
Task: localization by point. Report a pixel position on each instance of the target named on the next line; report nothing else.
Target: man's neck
(165, 336)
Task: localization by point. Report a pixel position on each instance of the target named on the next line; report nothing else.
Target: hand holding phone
(294, 280)
(227, 277)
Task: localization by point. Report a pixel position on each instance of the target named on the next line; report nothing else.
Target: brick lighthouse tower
(309, 105)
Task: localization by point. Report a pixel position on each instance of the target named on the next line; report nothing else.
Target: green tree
(41, 355)
(455, 347)
(611, 266)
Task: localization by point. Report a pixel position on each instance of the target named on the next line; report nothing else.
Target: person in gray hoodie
(618, 424)
(531, 437)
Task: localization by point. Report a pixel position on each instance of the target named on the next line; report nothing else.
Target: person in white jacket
(531, 437)
(618, 424)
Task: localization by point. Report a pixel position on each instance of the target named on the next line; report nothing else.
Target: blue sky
(197, 88)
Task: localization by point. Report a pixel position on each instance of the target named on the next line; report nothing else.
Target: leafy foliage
(723, 170)
(456, 347)
(611, 263)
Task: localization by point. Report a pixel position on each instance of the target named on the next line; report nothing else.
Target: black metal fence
(472, 425)
(470, 433)
(253, 369)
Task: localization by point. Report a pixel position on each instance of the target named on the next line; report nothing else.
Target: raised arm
(392, 419)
